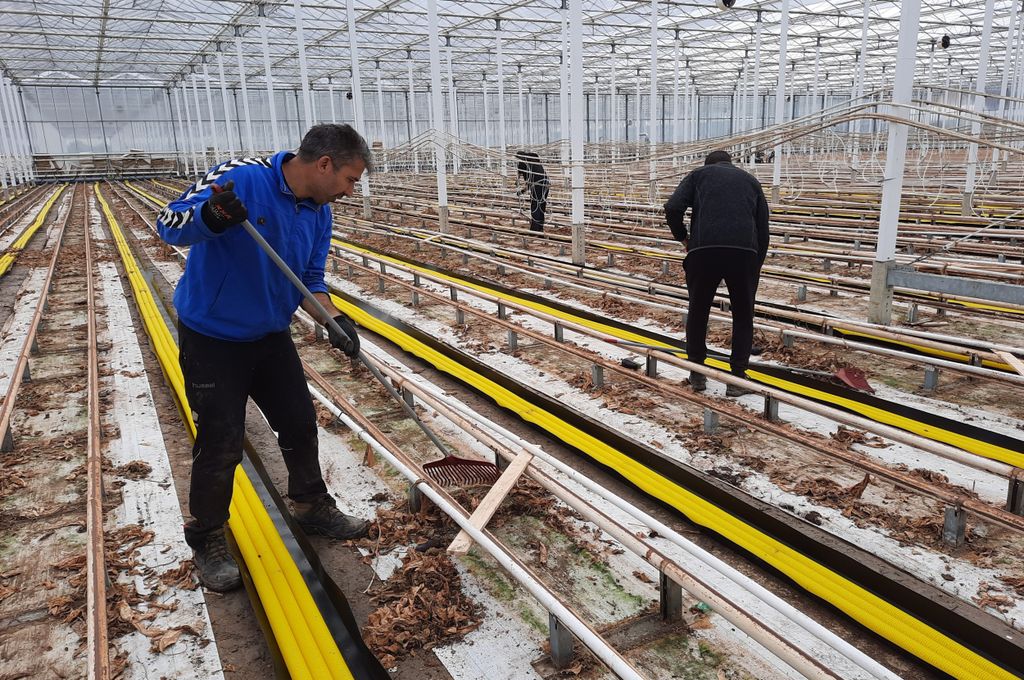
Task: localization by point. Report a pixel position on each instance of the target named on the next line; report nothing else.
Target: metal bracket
(1014, 492)
(954, 528)
(670, 596)
(561, 641)
(710, 421)
(900, 277)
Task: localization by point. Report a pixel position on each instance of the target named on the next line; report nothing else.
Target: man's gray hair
(339, 142)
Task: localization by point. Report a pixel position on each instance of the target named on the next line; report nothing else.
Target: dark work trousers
(220, 376)
(705, 269)
(538, 204)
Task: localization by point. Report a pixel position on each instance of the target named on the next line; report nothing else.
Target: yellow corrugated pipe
(880, 415)
(8, 258)
(885, 619)
(306, 644)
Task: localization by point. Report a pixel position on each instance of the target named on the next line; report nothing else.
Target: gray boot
(217, 568)
(698, 381)
(321, 516)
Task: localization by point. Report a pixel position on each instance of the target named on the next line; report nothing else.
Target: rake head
(453, 471)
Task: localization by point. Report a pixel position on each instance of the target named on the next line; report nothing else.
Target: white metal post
(330, 99)
(487, 121)
(272, 108)
(502, 166)
(577, 125)
(858, 89)
(213, 115)
(181, 130)
(20, 159)
(563, 94)
(614, 111)
(380, 117)
(780, 95)
(755, 103)
(21, 138)
(251, 148)
(675, 95)
(437, 107)
(357, 97)
(200, 123)
(636, 115)
(453, 111)
(652, 129)
(412, 119)
(880, 306)
(307, 107)
(229, 137)
(9, 168)
(191, 136)
(1010, 30)
(522, 120)
(978, 107)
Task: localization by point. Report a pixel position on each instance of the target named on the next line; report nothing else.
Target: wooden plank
(1013, 361)
(489, 505)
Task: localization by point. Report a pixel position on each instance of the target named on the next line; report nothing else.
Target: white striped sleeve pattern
(173, 219)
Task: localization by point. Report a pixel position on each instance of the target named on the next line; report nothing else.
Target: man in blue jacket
(234, 309)
(727, 239)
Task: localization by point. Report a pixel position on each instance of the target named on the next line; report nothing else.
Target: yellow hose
(7, 259)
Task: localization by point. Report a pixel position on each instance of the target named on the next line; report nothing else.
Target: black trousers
(538, 204)
(220, 376)
(705, 269)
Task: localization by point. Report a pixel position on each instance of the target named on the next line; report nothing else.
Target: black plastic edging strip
(909, 412)
(971, 627)
(328, 597)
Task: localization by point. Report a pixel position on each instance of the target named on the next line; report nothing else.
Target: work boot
(698, 381)
(321, 516)
(736, 391)
(217, 568)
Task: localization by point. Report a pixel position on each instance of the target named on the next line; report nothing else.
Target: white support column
(687, 102)
(597, 117)
(8, 132)
(755, 104)
(880, 306)
(858, 89)
(636, 116)
(978, 107)
(200, 125)
(577, 125)
(780, 96)
(9, 166)
(675, 95)
(380, 114)
(213, 115)
(229, 137)
(563, 94)
(412, 118)
(487, 121)
(436, 106)
(522, 119)
(250, 140)
(652, 131)
(357, 98)
(817, 74)
(271, 107)
(502, 166)
(614, 103)
(530, 131)
(330, 99)
(307, 106)
(1004, 83)
(181, 130)
(453, 111)
(22, 150)
(190, 135)
(740, 97)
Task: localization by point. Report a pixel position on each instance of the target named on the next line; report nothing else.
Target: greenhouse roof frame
(101, 43)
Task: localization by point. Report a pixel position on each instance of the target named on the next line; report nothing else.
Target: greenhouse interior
(512, 340)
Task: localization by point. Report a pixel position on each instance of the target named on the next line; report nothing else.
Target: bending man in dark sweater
(727, 239)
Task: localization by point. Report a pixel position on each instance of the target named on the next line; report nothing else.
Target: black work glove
(349, 345)
(224, 209)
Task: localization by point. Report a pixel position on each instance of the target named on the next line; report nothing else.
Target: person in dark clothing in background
(532, 172)
(727, 239)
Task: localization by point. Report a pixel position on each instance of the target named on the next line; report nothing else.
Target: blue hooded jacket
(231, 289)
